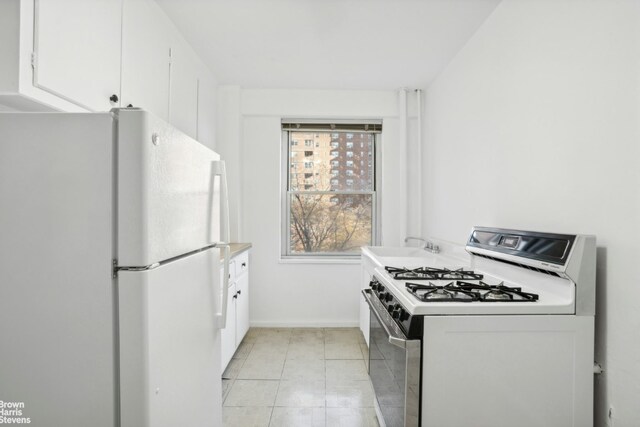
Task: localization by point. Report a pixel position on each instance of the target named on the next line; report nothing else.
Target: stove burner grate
(498, 292)
(446, 293)
(461, 291)
(429, 273)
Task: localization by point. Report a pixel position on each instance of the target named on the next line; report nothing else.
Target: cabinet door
(77, 50)
(242, 307)
(228, 334)
(146, 43)
(183, 96)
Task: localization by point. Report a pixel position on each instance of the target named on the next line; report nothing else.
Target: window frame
(286, 254)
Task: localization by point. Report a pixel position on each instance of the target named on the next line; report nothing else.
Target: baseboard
(304, 324)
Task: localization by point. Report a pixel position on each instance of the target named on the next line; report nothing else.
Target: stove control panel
(410, 325)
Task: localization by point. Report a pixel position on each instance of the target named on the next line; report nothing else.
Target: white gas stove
(504, 335)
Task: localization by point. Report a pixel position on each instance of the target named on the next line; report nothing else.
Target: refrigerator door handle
(219, 169)
(222, 316)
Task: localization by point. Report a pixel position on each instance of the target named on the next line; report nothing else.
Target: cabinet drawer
(242, 263)
(232, 271)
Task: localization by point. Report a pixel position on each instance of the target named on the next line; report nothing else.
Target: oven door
(394, 368)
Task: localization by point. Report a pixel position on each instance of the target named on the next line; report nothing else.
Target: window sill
(319, 260)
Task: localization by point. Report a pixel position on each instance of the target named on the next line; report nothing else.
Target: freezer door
(168, 191)
(169, 345)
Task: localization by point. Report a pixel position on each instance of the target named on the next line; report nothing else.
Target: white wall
(534, 125)
(249, 138)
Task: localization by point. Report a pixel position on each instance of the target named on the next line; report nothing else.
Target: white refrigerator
(112, 230)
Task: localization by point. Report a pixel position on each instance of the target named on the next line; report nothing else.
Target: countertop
(237, 248)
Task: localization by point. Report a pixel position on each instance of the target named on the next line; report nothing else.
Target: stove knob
(382, 296)
(373, 285)
(391, 307)
(397, 313)
(388, 297)
(404, 315)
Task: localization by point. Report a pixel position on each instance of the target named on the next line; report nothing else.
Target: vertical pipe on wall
(418, 161)
(404, 187)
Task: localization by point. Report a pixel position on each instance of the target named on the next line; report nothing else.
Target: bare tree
(319, 220)
(319, 224)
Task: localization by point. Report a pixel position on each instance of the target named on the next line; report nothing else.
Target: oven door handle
(395, 338)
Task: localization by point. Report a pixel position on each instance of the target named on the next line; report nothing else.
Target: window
(308, 143)
(335, 213)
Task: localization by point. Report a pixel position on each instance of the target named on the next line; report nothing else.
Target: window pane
(326, 154)
(338, 223)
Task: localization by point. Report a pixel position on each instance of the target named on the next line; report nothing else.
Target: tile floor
(299, 377)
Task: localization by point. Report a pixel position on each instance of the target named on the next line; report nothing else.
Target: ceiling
(327, 44)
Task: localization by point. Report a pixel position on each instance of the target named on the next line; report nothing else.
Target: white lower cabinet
(242, 307)
(229, 332)
(237, 323)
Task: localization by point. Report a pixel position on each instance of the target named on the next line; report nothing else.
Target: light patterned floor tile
(262, 368)
(342, 351)
(298, 417)
(246, 416)
(346, 370)
(226, 386)
(352, 417)
(305, 351)
(350, 394)
(243, 349)
(265, 350)
(301, 393)
(298, 369)
(252, 393)
(231, 372)
(343, 335)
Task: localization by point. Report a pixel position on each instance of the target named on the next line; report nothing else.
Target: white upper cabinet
(146, 46)
(93, 55)
(206, 108)
(183, 97)
(77, 50)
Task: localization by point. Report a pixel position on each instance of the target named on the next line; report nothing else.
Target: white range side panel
(367, 270)
(57, 299)
(505, 371)
(168, 197)
(169, 346)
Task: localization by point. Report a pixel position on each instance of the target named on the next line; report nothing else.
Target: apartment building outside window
(336, 213)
